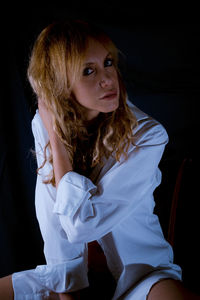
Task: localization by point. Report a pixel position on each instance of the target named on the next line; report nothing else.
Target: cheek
(84, 92)
(115, 76)
(89, 89)
(80, 90)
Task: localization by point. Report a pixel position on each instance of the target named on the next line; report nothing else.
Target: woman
(98, 158)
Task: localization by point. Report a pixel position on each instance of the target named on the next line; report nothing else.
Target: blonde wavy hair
(58, 55)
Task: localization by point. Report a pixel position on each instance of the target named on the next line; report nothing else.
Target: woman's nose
(105, 80)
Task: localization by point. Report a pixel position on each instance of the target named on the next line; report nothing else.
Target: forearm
(7, 292)
(61, 162)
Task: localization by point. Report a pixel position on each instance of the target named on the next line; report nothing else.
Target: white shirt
(115, 206)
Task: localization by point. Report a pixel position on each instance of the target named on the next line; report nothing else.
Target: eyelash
(85, 71)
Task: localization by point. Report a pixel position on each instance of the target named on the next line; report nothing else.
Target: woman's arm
(61, 162)
(87, 211)
(61, 165)
(7, 293)
(66, 268)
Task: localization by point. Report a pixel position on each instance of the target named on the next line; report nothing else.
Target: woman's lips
(109, 96)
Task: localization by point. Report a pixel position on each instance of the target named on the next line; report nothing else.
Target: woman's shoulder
(148, 131)
(138, 113)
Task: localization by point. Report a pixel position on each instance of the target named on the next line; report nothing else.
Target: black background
(160, 64)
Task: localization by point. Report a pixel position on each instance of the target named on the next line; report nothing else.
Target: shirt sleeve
(66, 268)
(88, 211)
(39, 283)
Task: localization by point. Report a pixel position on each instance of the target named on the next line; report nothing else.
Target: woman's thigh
(169, 289)
(6, 288)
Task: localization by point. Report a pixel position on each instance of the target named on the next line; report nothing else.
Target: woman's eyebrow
(92, 63)
(88, 63)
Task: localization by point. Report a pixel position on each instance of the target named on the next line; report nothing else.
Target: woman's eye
(87, 71)
(108, 62)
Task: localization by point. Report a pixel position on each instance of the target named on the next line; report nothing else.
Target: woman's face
(98, 87)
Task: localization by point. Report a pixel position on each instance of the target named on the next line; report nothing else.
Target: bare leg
(6, 288)
(69, 296)
(169, 289)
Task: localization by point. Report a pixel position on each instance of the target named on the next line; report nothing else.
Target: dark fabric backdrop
(160, 63)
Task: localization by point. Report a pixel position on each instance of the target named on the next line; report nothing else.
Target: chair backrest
(174, 203)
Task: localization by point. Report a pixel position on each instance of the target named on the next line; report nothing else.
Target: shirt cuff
(40, 282)
(73, 190)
